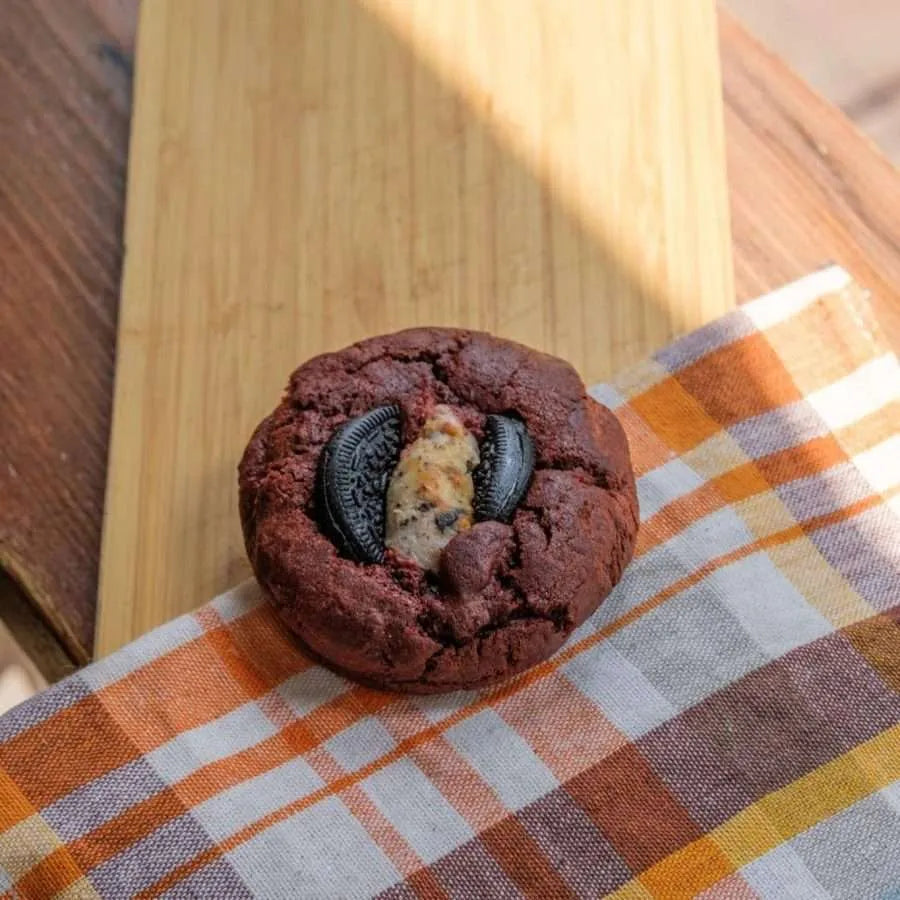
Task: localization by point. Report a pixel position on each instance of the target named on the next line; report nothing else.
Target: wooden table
(806, 189)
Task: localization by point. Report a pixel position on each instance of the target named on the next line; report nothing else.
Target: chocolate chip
(352, 478)
(447, 519)
(504, 471)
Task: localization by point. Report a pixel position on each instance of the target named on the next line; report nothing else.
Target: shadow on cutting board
(347, 187)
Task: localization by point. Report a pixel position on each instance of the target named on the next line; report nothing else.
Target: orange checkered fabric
(727, 724)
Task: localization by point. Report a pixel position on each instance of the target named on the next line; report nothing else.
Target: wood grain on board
(307, 173)
(65, 91)
(806, 187)
(793, 208)
(845, 49)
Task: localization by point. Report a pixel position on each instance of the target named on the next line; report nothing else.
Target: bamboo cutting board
(305, 173)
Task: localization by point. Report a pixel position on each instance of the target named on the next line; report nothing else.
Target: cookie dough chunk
(429, 497)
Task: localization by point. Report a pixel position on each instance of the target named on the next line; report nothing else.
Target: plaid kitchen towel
(726, 725)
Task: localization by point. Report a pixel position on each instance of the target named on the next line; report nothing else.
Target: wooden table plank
(806, 187)
(65, 91)
(794, 207)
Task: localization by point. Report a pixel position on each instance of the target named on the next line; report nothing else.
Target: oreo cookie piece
(502, 476)
(352, 479)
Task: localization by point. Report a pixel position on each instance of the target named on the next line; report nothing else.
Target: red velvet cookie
(455, 599)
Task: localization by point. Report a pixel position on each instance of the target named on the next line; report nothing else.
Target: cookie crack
(457, 345)
(558, 617)
(540, 515)
(592, 474)
(438, 631)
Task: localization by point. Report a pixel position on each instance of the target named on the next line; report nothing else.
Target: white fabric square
(665, 644)
(880, 465)
(503, 758)
(241, 728)
(309, 689)
(247, 802)
(240, 601)
(664, 484)
(853, 397)
(607, 395)
(707, 538)
(767, 605)
(437, 707)
(619, 689)
(359, 744)
(417, 809)
(781, 873)
(313, 853)
(787, 301)
(891, 795)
